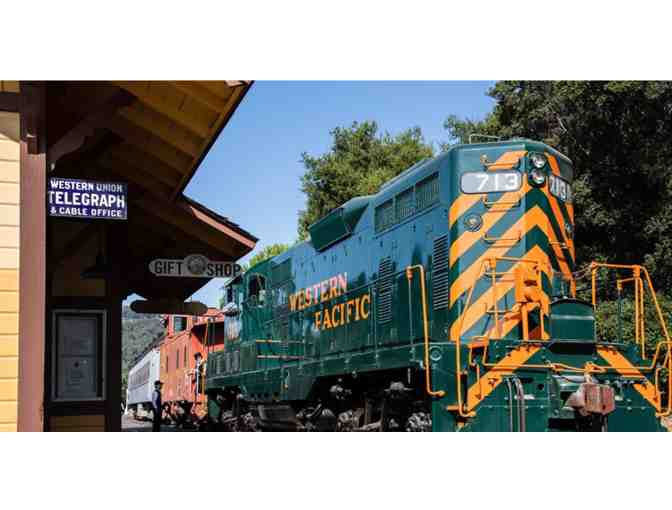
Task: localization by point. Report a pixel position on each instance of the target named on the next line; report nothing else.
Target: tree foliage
(618, 135)
(267, 252)
(138, 331)
(609, 328)
(359, 161)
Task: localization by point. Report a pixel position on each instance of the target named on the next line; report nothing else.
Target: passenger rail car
(141, 379)
(445, 302)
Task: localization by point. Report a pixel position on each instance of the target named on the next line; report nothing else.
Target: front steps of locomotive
(568, 382)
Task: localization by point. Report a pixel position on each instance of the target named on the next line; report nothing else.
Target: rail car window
(177, 358)
(179, 324)
(281, 295)
(256, 291)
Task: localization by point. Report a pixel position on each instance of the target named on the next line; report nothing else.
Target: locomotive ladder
(528, 296)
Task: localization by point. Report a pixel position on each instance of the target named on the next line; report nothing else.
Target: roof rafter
(148, 142)
(185, 141)
(144, 94)
(201, 94)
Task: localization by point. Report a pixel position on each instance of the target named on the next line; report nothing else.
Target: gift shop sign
(194, 266)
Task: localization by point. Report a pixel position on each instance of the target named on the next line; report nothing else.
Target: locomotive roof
(427, 166)
(416, 173)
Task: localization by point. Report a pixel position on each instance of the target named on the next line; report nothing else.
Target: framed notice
(78, 365)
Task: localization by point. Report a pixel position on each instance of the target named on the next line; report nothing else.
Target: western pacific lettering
(334, 315)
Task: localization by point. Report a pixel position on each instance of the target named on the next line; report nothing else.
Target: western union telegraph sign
(75, 198)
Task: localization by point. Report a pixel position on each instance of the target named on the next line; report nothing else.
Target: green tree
(359, 161)
(609, 328)
(618, 135)
(266, 253)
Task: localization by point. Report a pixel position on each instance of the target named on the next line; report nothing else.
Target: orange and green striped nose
(504, 216)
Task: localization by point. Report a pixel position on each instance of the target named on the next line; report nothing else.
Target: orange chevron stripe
(553, 201)
(560, 220)
(624, 367)
(555, 168)
(468, 238)
(533, 217)
(507, 160)
(460, 206)
(479, 308)
(493, 377)
(464, 201)
(570, 211)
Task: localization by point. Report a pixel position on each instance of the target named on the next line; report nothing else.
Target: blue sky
(252, 172)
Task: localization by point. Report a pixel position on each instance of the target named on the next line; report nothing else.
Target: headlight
(537, 177)
(537, 159)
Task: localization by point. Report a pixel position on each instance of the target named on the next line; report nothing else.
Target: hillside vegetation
(138, 331)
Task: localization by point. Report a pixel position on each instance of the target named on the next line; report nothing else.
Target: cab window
(256, 290)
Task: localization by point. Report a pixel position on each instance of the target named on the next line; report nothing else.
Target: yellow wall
(9, 86)
(9, 268)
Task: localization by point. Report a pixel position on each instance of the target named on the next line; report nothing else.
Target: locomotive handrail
(590, 367)
(639, 287)
(487, 137)
(493, 240)
(487, 203)
(640, 330)
(425, 327)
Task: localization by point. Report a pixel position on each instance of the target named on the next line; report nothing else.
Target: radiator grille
(384, 217)
(404, 205)
(427, 192)
(440, 274)
(384, 290)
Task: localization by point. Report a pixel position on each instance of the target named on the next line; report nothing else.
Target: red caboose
(184, 351)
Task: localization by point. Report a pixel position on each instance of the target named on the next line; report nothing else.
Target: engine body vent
(384, 291)
(440, 273)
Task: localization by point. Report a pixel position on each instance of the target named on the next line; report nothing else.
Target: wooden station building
(63, 279)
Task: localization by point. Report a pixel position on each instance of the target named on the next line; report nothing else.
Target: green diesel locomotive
(445, 302)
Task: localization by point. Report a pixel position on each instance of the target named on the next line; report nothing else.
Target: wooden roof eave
(100, 138)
